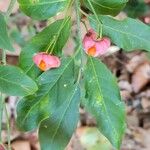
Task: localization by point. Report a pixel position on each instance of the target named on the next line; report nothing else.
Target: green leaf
(40, 43)
(5, 42)
(129, 34)
(14, 82)
(55, 86)
(103, 100)
(136, 8)
(106, 7)
(56, 131)
(42, 9)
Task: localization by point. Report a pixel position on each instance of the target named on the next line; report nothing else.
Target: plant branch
(84, 13)
(85, 25)
(78, 18)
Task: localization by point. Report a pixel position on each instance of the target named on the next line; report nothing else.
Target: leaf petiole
(53, 42)
(100, 24)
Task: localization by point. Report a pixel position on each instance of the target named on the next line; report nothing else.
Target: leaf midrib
(69, 103)
(25, 89)
(46, 92)
(45, 3)
(104, 6)
(5, 42)
(126, 33)
(64, 22)
(101, 95)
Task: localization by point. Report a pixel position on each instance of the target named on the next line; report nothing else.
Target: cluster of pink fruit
(92, 45)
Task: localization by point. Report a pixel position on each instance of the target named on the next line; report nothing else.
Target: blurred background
(133, 73)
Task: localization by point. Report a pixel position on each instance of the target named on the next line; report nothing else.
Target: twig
(78, 18)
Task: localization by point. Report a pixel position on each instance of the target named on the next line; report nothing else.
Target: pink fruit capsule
(93, 46)
(46, 61)
(2, 147)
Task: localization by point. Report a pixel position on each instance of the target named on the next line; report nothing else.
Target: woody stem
(78, 18)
